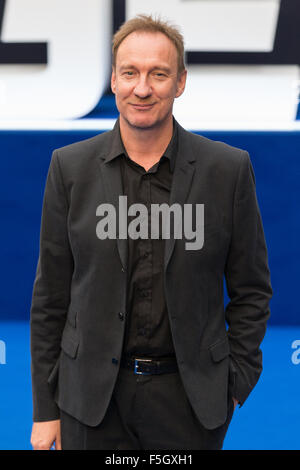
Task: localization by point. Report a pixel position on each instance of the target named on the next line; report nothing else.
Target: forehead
(147, 48)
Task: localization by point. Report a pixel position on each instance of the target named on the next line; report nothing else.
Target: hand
(44, 434)
(235, 402)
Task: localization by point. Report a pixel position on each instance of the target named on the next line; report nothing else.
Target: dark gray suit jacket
(80, 284)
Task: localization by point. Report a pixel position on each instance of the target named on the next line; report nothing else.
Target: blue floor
(269, 419)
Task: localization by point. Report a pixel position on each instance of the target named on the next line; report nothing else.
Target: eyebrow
(156, 67)
(164, 69)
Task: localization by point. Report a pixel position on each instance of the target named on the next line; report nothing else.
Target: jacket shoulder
(84, 148)
(216, 151)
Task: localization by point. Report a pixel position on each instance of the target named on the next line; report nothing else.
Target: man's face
(145, 79)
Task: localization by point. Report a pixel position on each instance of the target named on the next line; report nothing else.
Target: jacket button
(114, 360)
(121, 316)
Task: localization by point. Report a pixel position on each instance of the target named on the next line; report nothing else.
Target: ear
(181, 83)
(113, 80)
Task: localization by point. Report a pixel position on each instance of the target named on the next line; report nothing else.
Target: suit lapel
(113, 187)
(181, 184)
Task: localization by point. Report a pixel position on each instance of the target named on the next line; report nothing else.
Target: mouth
(142, 107)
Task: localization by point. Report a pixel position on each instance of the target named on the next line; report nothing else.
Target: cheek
(122, 89)
(166, 92)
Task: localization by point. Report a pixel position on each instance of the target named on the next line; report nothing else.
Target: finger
(42, 444)
(41, 447)
(58, 441)
(58, 444)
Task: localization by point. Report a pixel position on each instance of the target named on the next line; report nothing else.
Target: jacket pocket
(69, 342)
(219, 350)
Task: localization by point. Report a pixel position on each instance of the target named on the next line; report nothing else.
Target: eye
(128, 73)
(160, 75)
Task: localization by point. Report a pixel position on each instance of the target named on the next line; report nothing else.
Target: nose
(143, 88)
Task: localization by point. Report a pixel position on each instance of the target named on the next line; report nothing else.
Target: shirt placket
(144, 287)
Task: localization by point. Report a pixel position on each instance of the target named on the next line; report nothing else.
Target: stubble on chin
(147, 124)
(135, 123)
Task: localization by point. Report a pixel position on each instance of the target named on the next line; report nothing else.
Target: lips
(142, 106)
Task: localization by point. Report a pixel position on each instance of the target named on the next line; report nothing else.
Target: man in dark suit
(128, 333)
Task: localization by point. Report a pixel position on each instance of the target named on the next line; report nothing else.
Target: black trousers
(145, 413)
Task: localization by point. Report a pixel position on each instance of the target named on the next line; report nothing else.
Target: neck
(146, 143)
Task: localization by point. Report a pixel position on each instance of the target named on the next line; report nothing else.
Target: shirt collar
(117, 147)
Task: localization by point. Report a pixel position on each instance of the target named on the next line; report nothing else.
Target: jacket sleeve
(51, 292)
(248, 283)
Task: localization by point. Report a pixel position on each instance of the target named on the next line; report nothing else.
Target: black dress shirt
(147, 332)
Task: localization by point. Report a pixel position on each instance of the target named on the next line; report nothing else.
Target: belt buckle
(136, 365)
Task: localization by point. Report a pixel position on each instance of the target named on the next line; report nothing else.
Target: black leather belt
(146, 366)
